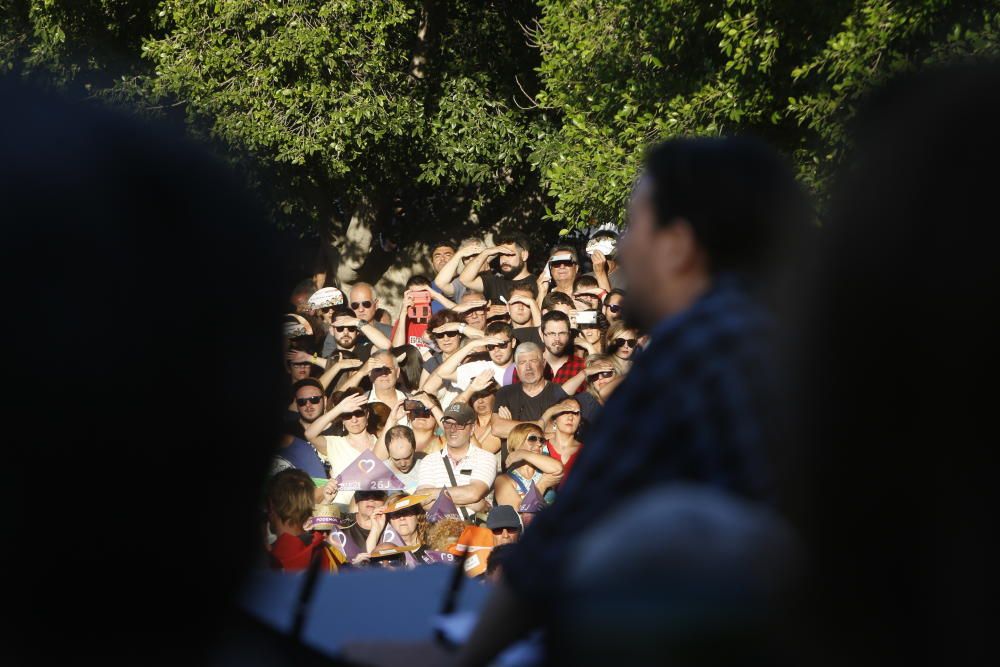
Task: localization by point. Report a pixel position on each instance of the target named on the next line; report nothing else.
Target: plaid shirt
(568, 370)
(694, 408)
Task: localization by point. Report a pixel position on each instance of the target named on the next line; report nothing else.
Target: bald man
(364, 303)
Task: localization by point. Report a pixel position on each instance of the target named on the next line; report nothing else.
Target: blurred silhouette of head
(893, 482)
(135, 524)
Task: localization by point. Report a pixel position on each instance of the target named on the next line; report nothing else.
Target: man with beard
(347, 333)
(561, 360)
(513, 269)
(708, 218)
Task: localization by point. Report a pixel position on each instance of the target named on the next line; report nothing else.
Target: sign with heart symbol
(368, 473)
(391, 536)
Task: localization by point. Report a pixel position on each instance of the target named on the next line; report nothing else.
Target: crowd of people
(443, 427)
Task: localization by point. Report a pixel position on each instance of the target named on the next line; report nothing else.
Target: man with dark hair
(561, 360)
(525, 315)
(512, 269)
(706, 216)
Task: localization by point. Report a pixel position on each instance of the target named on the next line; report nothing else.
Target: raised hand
(330, 491)
(351, 404)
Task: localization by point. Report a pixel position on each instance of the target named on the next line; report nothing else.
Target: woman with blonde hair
(621, 341)
(602, 372)
(526, 463)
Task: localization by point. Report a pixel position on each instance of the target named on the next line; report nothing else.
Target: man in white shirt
(403, 461)
(466, 471)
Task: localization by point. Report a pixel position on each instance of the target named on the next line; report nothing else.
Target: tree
(363, 112)
(624, 74)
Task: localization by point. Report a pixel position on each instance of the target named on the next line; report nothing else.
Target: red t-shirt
(292, 552)
(558, 457)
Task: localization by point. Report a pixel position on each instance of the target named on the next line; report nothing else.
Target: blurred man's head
(704, 207)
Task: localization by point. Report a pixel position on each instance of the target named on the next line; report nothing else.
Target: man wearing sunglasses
(364, 304)
(560, 272)
(613, 305)
(310, 401)
(512, 269)
(461, 467)
(351, 335)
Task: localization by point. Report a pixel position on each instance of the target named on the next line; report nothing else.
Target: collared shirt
(478, 464)
(700, 405)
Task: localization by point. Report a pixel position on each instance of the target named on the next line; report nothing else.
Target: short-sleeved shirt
(528, 408)
(478, 464)
(495, 286)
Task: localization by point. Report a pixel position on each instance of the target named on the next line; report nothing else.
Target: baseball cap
(503, 516)
(461, 413)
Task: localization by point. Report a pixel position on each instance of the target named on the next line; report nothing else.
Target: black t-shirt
(528, 335)
(297, 430)
(495, 286)
(357, 534)
(528, 408)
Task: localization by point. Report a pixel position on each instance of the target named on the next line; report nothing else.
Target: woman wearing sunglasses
(351, 408)
(423, 421)
(602, 373)
(621, 342)
(526, 463)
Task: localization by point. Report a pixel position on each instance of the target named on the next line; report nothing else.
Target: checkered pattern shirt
(698, 407)
(568, 370)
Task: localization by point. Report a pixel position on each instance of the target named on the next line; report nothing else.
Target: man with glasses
(465, 470)
(505, 523)
(364, 304)
(561, 361)
(512, 269)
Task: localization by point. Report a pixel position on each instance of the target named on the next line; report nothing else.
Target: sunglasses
(343, 329)
(625, 342)
(603, 375)
(534, 438)
(445, 334)
(614, 307)
(310, 399)
(327, 309)
(562, 264)
(500, 531)
(357, 414)
(421, 413)
(502, 346)
(361, 304)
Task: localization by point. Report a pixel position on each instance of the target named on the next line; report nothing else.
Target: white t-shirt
(410, 479)
(340, 454)
(466, 373)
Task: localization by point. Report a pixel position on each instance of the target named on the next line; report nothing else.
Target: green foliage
(451, 110)
(624, 74)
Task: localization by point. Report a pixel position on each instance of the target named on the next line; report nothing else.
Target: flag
(368, 473)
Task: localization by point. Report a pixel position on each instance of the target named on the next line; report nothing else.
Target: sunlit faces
(447, 341)
(601, 379)
(613, 307)
(363, 302)
(500, 353)
(512, 260)
(440, 256)
(368, 502)
(563, 267)
(555, 336)
(624, 344)
(345, 335)
(310, 403)
(402, 454)
(568, 420)
(380, 378)
(505, 536)
(300, 370)
(455, 434)
(405, 522)
(530, 367)
(520, 313)
(474, 317)
(356, 422)
(483, 405)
